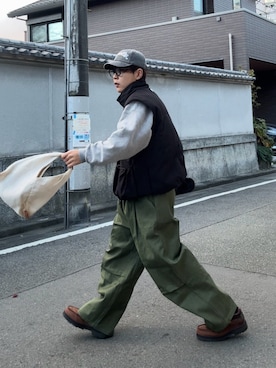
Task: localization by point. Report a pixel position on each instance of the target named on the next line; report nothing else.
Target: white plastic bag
(23, 187)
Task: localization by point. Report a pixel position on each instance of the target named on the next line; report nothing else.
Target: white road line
(224, 193)
(105, 224)
(53, 238)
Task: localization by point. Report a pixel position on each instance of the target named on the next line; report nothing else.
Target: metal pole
(77, 47)
(77, 130)
(66, 73)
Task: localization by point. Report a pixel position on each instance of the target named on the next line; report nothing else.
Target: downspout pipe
(230, 41)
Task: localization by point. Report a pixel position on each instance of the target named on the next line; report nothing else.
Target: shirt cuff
(82, 154)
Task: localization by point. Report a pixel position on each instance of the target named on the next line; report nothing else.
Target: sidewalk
(152, 334)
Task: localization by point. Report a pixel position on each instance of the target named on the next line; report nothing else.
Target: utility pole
(77, 119)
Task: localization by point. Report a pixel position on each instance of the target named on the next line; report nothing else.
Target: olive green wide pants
(145, 234)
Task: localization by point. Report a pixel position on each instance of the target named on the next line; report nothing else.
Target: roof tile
(37, 50)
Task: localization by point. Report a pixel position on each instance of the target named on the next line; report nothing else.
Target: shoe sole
(229, 335)
(95, 333)
(76, 324)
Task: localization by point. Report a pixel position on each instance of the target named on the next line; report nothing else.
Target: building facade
(266, 9)
(228, 34)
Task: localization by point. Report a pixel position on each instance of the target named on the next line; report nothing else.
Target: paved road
(230, 228)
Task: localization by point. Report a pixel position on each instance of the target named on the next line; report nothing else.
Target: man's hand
(71, 158)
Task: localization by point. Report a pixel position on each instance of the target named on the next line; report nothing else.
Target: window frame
(47, 20)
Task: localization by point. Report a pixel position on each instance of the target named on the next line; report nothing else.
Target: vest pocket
(124, 185)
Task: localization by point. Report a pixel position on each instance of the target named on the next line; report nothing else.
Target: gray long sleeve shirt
(132, 135)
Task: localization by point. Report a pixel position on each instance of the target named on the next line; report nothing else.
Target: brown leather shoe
(72, 316)
(236, 326)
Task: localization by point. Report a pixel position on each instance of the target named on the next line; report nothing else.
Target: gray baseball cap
(127, 58)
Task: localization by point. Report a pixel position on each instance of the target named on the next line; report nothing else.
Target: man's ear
(139, 73)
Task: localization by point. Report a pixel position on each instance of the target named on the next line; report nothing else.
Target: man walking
(150, 170)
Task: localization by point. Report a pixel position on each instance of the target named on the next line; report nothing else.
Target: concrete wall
(212, 116)
(32, 107)
(214, 121)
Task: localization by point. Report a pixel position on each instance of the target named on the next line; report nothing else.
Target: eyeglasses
(118, 72)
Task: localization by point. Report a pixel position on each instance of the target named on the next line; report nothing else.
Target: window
(39, 33)
(46, 32)
(203, 7)
(198, 7)
(236, 4)
(55, 31)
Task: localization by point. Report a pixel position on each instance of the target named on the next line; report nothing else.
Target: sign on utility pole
(77, 131)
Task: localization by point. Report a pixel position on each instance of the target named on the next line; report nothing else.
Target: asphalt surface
(230, 228)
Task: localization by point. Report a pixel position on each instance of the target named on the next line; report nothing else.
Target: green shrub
(264, 142)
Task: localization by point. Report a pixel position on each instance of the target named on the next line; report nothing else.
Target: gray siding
(199, 40)
(191, 41)
(136, 13)
(223, 5)
(261, 41)
(128, 14)
(249, 5)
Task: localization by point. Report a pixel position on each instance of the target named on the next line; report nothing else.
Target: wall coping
(217, 141)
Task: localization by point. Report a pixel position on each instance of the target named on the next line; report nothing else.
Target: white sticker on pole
(80, 130)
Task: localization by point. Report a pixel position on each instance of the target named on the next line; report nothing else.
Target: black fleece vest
(159, 167)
